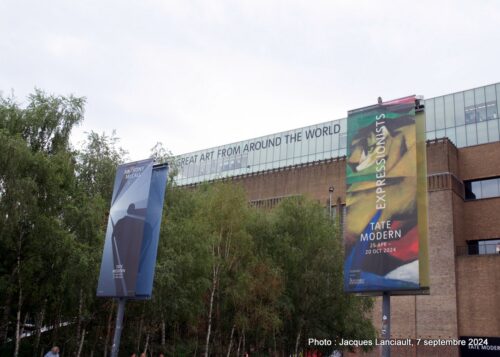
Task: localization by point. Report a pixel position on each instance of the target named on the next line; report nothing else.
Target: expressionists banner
(125, 231)
(386, 221)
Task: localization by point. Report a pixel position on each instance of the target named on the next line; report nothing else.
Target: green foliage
(239, 278)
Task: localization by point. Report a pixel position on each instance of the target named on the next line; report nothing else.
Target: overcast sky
(196, 74)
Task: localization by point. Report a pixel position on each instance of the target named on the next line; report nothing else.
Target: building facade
(463, 163)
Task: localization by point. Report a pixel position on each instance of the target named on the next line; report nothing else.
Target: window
(439, 113)
(341, 217)
(486, 246)
(470, 107)
(477, 189)
(429, 115)
(459, 108)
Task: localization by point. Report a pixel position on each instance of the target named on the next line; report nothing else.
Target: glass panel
(491, 110)
(440, 134)
(312, 140)
(491, 103)
(482, 133)
(343, 141)
(493, 131)
(471, 134)
(489, 188)
(479, 95)
(476, 189)
(320, 142)
(449, 107)
(335, 138)
(498, 97)
(327, 144)
(429, 115)
(342, 135)
(490, 93)
(450, 134)
(481, 112)
(252, 162)
(300, 148)
(459, 108)
(267, 153)
(470, 110)
(430, 135)
(284, 146)
(278, 143)
(439, 112)
(290, 146)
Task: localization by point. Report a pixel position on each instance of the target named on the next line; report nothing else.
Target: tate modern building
(462, 143)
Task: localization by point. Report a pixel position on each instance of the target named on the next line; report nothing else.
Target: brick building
(463, 162)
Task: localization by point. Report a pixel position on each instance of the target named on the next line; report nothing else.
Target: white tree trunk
(146, 345)
(19, 298)
(210, 308)
(297, 341)
(80, 346)
(80, 318)
(230, 342)
(108, 330)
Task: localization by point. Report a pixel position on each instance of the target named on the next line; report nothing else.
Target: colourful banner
(386, 223)
(125, 231)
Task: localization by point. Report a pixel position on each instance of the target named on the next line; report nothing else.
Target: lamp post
(330, 190)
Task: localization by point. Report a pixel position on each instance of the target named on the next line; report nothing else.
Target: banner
(385, 233)
(149, 248)
(125, 231)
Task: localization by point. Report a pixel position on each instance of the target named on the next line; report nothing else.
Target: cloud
(195, 74)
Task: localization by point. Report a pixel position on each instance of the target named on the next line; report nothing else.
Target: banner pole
(386, 323)
(118, 326)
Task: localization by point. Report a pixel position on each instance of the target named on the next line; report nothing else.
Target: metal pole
(330, 204)
(118, 327)
(330, 190)
(386, 323)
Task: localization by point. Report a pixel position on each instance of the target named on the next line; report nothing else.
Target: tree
(306, 246)
(36, 176)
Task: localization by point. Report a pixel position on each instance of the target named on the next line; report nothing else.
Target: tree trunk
(4, 325)
(139, 333)
(80, 346)
(18, 322)
(23, 325)
(230, 342)
(210, 308)
(163, 333)
(146, 345)
(97, 333)
(38, 327)
(108, 329)
(55, 330)
(80, 318)
(297, 341)
(274, 342)
(20, 296)
(244, 344)
(239, 345)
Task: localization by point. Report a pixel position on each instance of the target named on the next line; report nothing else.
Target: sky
(198, 74)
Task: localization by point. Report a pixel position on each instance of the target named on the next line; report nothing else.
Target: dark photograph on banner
(125, 231)
(152, 226)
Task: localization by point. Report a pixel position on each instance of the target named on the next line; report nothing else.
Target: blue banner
(144, 286)
(129, 256)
